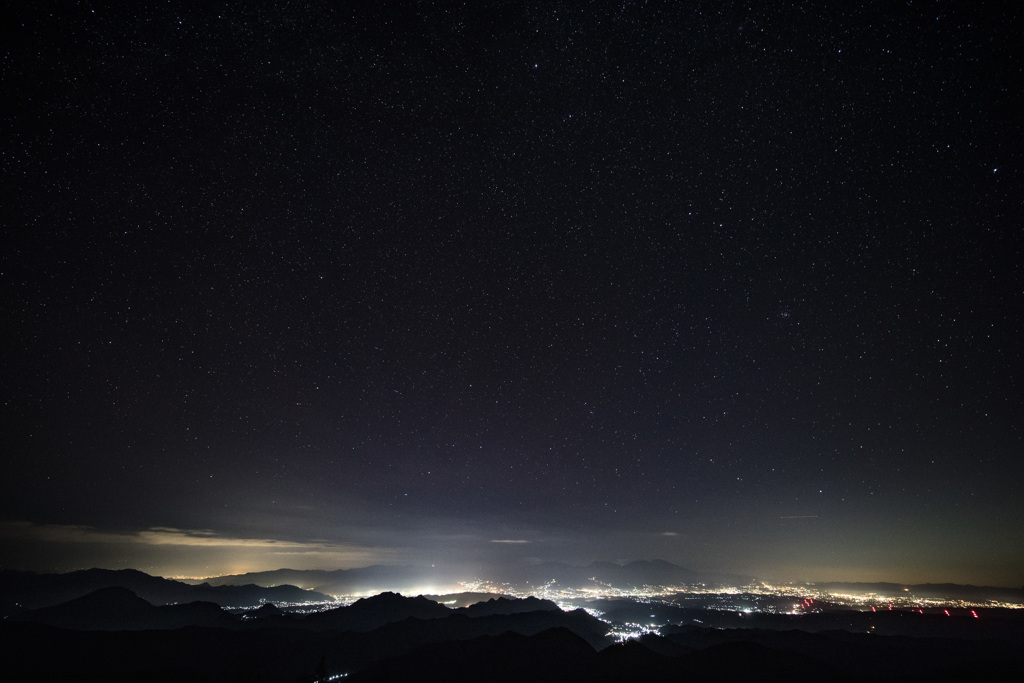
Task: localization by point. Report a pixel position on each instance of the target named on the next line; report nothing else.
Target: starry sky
(322, 285)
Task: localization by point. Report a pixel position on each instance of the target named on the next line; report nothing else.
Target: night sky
(325, 285)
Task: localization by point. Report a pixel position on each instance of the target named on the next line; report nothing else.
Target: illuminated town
(633, 613)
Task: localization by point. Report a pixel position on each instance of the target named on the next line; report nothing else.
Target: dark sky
(303, 284)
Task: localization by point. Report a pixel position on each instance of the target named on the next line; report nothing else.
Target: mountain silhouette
(117, 608)
(32, 591)
(465, 599)
(632, 575)
(409, 578)
(267, 610)
(459, 626)
(419, 639)
(503, 605)
(552, 655)
(367, 614)
(374, 578)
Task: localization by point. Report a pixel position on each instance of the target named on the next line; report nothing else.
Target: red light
(873, 608)
(946, 611)
(974, 613)
(890, 608)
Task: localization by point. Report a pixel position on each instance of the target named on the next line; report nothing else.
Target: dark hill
(633, 661)
(267, 610)
(508, 606)
(303, 578)
(367, 614)
(339, 581)
(412, 632)
(397, 622)
(745, 661)
(519, 646)
(251, 595)
(553, 655)
(855, 654)
(118, 609)
(33, 591)
(456, 600)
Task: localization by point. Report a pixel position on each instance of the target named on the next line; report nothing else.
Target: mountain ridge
(406, 578)
(116, 608)
(20, 591)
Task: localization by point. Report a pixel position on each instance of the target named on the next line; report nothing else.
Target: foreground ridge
(113, 634)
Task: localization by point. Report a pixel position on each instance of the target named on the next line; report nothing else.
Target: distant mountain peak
(111, 596)
(383, 598)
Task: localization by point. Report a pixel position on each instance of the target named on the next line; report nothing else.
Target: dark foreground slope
(45, 653)
(394, 638)
(112, 635)
(558, 655)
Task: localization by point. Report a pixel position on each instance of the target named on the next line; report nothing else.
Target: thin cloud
(165, 536)
(169, 551)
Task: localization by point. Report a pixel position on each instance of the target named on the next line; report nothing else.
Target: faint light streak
(221, 554)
